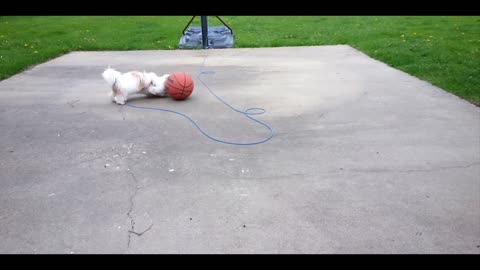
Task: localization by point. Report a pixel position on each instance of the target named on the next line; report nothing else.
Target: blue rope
(248, 112)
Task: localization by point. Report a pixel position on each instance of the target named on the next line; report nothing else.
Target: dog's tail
(110, 76)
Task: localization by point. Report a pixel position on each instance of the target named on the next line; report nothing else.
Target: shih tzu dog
(125, 84)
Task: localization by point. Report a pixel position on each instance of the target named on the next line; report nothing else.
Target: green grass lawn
(441, 50)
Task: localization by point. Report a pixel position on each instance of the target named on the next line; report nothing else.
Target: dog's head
(157, 84)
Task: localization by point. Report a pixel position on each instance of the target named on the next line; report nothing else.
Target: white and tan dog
(125, 84)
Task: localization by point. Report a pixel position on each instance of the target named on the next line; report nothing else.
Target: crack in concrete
(132, 205)
(140, 234)
(132, 222)
(72, 103)
(362, 171)
(418, 170)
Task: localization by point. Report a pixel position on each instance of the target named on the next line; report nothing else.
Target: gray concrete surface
(365, 158)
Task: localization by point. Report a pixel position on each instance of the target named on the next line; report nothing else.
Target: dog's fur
(125, 84)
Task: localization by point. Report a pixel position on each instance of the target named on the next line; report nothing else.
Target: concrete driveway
(365, 158)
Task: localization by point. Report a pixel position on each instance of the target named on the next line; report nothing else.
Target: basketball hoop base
(216, 37)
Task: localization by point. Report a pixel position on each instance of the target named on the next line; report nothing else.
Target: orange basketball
(179, 85)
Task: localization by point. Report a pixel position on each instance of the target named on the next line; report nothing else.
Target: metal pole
(204, 32)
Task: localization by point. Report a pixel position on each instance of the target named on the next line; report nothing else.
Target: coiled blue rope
(248, 113)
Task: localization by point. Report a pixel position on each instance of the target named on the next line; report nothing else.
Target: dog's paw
(120, 100)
